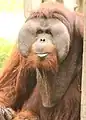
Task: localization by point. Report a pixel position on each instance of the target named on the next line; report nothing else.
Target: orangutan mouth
(42, 55)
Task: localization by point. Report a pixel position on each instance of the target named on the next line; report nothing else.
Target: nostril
(42, 40)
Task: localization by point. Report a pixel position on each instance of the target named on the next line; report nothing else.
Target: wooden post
(80, 5)
(48, 0)
(59, 1)
(70, 4)
(29, 5)
(83, 95)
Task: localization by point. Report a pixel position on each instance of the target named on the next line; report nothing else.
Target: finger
(2, 117)
(2, 110)
(8, 114)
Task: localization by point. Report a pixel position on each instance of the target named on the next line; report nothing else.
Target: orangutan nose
(42, 40)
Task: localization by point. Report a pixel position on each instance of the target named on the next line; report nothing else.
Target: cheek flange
(63, 45)
(63, 52)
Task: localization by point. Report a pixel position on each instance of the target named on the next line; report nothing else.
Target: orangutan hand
(26, 116)
(6, 113)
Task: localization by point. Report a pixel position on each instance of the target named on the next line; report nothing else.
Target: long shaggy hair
(20, 73)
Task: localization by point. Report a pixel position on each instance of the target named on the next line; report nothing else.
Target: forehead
(37, 22)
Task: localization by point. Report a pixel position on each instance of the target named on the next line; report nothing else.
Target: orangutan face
(44, 37)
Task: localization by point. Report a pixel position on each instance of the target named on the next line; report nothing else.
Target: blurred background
(12, 16)
(11, 20)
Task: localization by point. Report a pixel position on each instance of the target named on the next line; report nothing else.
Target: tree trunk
(29, 5)
(59, 1)
(48, 0)
(52, 0)
(83, 96)
(70, 4)
(80, 5)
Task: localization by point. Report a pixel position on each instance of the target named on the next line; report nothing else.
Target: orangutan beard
(46, 73)
(49, 63)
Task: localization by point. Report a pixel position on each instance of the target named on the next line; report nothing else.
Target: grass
(5, 49)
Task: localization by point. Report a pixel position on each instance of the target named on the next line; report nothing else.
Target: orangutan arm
(30, 109)
(16, 83)
(18, 79)
(8, 81)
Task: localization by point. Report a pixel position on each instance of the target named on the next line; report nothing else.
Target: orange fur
(18, 79)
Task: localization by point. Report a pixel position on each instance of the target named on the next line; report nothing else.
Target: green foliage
(6, 46)
(5, 49)
(11, 5)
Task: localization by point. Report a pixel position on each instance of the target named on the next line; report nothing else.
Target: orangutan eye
(48, 31)
(39, 31)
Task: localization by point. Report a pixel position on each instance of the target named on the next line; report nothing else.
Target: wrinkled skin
(42, 79)
(37, 34)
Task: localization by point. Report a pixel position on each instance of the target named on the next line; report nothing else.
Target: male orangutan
(42, 79)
